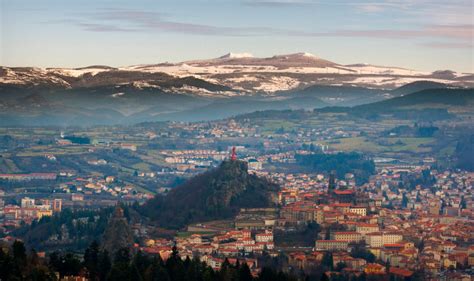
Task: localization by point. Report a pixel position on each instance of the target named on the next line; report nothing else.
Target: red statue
(234, 156)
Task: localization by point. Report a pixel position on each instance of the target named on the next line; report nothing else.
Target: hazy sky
(418, 34)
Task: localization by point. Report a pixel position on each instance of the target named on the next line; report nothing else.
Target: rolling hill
(426, 105)
(417, 86)
(424, 98)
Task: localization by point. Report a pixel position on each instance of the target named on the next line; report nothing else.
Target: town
(409, 216)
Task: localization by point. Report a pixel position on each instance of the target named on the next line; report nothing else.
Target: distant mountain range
(202, 89)
(230, 75)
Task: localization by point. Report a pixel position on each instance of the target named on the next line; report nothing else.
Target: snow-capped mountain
(233, 74)
(236, 56)
(202, 89)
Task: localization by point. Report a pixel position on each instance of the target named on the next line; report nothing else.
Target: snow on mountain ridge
(309, 55)
(241, 72)
(236, 56)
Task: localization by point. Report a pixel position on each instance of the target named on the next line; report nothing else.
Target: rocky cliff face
(118, 234)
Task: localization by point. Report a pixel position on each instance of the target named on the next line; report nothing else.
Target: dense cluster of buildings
(425, 230)
(29, 210)
(233, 245)
(379, 228)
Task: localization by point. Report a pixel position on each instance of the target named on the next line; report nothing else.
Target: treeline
(421, 131)
(302, 237)
(275, 114)
(72, 229)
(78, 139)
(341, 162)
(97, 265)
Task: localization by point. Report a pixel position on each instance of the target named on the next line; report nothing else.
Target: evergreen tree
(139, 267)
(174, 265)
(121, 269)
(267, 274)
(387, 266)
(328, 260)
(157, 271)
(327, 235)
(19, 258)
(226, 272)
(91, 260)
(141, 261)
(66, 264)
(6, 266)
(404, 200)
(340, 266)
(244, 273)
(135, 273)
(104, 265)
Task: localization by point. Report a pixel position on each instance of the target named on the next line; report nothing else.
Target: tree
(418, 199)
(157, 271)
(104, 265)
(327, 235)
(328, 260)
(6, 265)
(91, 260)
(226, 273)
(267, 274)
(244, 273)
(141, 262)
(362, 277)
(421, 246)
(121, 269)
(404, 200)
(174, 265)
(140, 267)
(66, 264)
(340, 266)
(359, 251)
(19, 258)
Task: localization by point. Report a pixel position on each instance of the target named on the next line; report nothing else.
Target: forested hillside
(216, 194)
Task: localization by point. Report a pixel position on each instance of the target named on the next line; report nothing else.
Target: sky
(417, 34)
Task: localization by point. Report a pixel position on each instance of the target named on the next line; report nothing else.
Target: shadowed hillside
(216, 194)
(427, 105)
(425, 97)
(418, 86)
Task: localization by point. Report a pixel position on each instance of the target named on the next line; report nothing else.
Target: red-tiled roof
(343, 192)
(401, 272)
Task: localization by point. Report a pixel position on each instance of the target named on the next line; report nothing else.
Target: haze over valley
(203, 89)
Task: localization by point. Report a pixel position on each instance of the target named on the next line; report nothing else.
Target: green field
(154, 157)
(142, 167)
(364, 144)
(41, 150)
(270, 126)
(8, 166)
